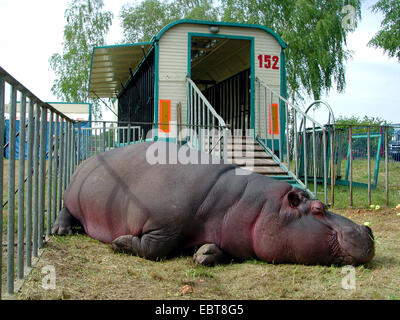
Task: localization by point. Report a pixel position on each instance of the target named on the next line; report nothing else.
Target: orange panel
(165, 114)
(275, 117)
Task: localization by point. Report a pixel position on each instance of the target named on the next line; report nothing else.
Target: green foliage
(144, 20)
(388, 38)
(358, 121)
(313, 31)
(86, 27)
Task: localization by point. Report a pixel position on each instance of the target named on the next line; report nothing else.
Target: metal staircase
(265, 150)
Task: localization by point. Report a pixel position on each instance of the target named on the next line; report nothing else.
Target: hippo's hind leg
(154, 245)
(210, 254)
(64, 223)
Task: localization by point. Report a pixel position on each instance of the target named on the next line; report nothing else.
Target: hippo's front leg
(209, 255)
(154, 245)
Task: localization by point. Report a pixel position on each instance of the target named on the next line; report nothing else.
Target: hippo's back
(120, 192)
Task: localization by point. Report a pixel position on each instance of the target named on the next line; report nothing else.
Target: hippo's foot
(153, 245)
(64, 223)
(209, 255)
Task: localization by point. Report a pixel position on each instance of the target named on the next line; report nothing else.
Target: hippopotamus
(157, 209)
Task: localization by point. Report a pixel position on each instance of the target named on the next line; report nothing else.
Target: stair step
(265, 170)
(254, 162)
(241, 147)
(250, 154)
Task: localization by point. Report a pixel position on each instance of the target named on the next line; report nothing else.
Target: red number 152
(266, 61)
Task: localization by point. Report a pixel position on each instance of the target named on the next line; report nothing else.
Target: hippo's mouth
(350, 251)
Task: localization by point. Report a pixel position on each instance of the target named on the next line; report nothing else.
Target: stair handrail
(298, 135)
(199, 118)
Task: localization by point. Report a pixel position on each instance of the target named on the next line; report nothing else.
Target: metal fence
(32, 188)
(41, 156)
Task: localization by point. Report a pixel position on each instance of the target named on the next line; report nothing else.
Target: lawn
(88, 269)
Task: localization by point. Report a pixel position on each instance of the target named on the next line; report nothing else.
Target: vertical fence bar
(42, 174)
(60, 164)
(272, 123)
(2, 125)
(11, 191)
(369, 163)
(350, 154)
(333, 177)
(21, 187)
(35, 195)
(325, 165)
(258, 133)
(29, 165)
(266, 108)
(55, 168)
(65, 155)
(287, 135)
(305, 152)
(104, 136)
(49, 174)
(314, 161)
(72, 150)
(386, 167)
(78, 150)
(129, 132)
(295, 142)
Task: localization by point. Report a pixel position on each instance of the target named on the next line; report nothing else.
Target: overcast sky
(31, 31)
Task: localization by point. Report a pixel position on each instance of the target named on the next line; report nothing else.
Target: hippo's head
(315, 235)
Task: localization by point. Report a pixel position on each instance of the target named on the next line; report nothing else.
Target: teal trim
(252, 88)
(90, 70)
(283, 93)
(124, 45)
(252, 72)
(216, 23)
(156, 86)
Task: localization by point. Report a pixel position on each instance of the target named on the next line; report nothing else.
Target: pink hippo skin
(156, 210)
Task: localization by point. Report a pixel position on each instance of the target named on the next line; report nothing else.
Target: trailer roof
(112, 67)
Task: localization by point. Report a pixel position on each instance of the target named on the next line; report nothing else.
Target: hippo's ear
(294, 199)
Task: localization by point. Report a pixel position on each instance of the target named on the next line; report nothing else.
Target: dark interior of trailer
(136, 101)
(220, 67)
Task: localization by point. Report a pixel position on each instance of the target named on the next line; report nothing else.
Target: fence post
(325, 164)
(49, 175)
(42, 174)
(351, 165)
(369, 163)
(333, 175)
(11, 192)
(21, 189)
(55, 168)
(386, 167)
(29, 165)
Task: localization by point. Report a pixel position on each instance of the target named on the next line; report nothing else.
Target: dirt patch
(88, 269)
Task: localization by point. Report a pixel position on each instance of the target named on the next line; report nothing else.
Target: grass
(88, 269)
